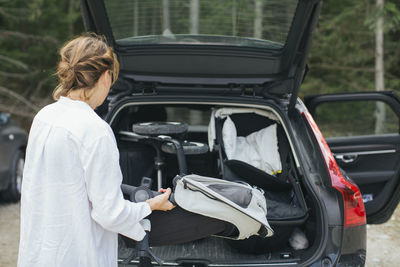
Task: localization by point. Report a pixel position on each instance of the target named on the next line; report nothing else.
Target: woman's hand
(161, 202)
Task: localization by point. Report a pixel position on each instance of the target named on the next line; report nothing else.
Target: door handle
(346, 158)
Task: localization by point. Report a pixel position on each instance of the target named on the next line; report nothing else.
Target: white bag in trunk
(237, 203)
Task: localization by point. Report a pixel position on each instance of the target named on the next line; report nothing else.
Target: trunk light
(354, 210)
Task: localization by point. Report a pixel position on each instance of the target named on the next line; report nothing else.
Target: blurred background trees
(31, 32)
(342, 57)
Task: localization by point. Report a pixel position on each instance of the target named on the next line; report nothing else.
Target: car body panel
(372, 161)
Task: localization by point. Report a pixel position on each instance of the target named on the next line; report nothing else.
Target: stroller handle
(142, 193)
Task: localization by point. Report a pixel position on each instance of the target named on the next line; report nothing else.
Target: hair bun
(83, 61)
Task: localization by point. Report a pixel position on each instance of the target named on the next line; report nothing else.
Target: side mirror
(4, 118)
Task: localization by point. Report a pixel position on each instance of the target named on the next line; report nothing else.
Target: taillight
(354, 210)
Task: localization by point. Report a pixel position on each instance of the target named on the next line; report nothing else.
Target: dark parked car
(229, 59)
(12, 150)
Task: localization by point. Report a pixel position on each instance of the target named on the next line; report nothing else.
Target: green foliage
(30, 36)
(342, 56)
(391, 15)
(354, 118)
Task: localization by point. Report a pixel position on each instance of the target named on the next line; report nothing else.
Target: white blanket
(259, 149)
(224, 112)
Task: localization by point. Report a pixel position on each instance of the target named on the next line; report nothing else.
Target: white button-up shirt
(72, 206)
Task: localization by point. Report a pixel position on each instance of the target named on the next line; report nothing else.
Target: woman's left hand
(161, 202)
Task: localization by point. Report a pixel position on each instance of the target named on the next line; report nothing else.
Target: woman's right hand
(161, 202)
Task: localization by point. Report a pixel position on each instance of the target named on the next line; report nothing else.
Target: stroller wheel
(189, 148)
(160, 128)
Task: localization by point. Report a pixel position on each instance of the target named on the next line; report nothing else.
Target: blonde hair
(83, 60)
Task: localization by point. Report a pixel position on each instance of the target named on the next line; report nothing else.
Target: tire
(13, 192)
(157, 128)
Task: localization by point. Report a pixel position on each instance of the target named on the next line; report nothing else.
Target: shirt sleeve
(103, 182)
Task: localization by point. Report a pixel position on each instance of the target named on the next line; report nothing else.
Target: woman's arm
(103, 180)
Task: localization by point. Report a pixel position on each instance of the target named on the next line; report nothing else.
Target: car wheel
(13, 192)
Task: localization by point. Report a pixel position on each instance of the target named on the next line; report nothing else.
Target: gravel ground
(9, 234)
(383, 240)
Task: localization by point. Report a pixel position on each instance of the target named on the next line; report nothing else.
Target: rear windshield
(251, 23)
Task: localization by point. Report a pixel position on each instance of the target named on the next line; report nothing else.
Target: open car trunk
(291, 213)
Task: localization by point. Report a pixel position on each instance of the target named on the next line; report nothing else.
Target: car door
(362, 130)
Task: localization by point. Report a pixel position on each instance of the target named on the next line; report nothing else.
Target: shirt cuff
(146, 210)
(146, 224)
(137, 231)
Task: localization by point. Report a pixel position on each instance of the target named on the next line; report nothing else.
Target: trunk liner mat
(213, 250)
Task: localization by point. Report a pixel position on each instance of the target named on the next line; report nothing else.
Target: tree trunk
(234, 18)
(155, 28)
(258, 16)
(70, 15)
(380, 111)
(136, 18)
(166, 19)
(194, 17)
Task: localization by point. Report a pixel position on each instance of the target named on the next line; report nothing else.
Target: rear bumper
(354, 246)
(352, 260)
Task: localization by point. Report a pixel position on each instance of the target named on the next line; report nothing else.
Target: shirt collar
(74, 103)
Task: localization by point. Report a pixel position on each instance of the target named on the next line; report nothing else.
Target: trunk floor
(213, 250)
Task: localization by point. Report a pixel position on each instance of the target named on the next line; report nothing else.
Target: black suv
(12, 158)
(187, 62)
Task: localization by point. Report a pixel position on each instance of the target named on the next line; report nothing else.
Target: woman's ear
(105, 78)
(108, 77)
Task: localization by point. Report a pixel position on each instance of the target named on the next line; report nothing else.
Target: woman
(72, 206)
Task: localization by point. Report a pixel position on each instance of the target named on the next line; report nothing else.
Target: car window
(257, 23)
(4, 118)
(190, 116)
(356, 118)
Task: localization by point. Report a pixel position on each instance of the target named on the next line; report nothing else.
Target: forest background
(342, 57)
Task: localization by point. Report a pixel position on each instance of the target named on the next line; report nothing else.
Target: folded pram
(237, 204)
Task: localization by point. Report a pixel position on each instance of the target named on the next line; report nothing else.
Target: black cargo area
(289, 208)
